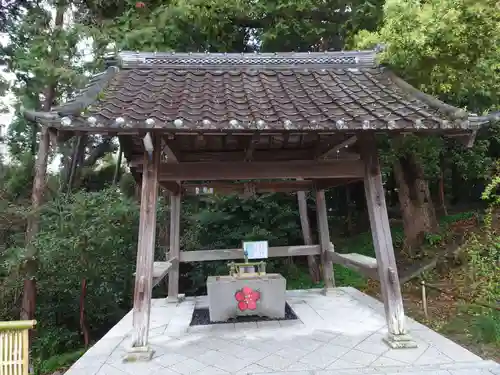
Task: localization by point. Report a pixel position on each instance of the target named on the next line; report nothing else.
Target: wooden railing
(14, 347)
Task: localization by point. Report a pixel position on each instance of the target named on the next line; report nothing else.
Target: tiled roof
(331, 90)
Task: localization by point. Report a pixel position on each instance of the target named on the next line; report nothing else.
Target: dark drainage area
(201, 317)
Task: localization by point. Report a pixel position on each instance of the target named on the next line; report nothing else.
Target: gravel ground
(202, 317)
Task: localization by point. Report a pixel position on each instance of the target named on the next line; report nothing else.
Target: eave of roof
(72, 115)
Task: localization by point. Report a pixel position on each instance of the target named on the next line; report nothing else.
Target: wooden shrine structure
(286, 122)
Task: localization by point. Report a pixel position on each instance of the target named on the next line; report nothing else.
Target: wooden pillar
(174, 254)
(324, 240)
(145, 258)
(382, 241)
(306, 234)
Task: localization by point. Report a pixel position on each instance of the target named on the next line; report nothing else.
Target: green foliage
(273, 217)
(91, 236)
(486, 327)
(346, 277)
(217, 222)
(457, 217)
(363, 243)
(447, 48)
(433, 239)
(58, 362)
(492, 191)
(234, 25)
(478, 325)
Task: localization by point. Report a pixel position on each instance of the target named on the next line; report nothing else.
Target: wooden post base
(329, 291)
(138, 354)
(400, 341)
(178, 299)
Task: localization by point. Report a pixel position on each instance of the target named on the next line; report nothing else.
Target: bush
(58, 362)
(486, 328)
(91, 237)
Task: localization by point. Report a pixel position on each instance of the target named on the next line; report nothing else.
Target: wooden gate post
(140, 349)
(382, 241)
(324, 241)
(173, 273)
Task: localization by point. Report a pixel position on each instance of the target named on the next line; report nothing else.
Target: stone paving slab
(338, 334)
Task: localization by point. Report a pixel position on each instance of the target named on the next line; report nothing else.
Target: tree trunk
(350, 209)
(442, 196)
(312, 261)
(30, 265)
(83, 321)
(417, 209)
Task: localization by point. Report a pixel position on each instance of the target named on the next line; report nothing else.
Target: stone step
(457, 368)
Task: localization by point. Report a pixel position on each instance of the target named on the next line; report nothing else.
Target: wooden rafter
(169, 151)
(172, 186)
(324, 151)
(172, 158)
(251, 147)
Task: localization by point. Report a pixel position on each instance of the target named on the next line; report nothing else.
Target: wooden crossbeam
(261, 170)
(247, 154)
(160, 270)
(285, 186)
(229, 254)
(334, 182)
(260, 186)
(366, 266)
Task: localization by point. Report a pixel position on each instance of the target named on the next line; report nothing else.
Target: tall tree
(447, 48)
(30, 263)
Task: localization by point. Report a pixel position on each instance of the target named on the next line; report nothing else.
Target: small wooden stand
(239, 269)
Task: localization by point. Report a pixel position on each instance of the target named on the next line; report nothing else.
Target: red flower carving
(247, 298)
(140, 4)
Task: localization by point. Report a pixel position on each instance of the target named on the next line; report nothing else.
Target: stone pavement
(339, 334)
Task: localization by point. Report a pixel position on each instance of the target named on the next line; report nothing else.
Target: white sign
(255, 250)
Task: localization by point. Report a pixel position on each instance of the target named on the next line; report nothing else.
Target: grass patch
(486, 328)
(58, 362)
(476, 329)
(346, 277)
(297, 277)
(450, 219)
